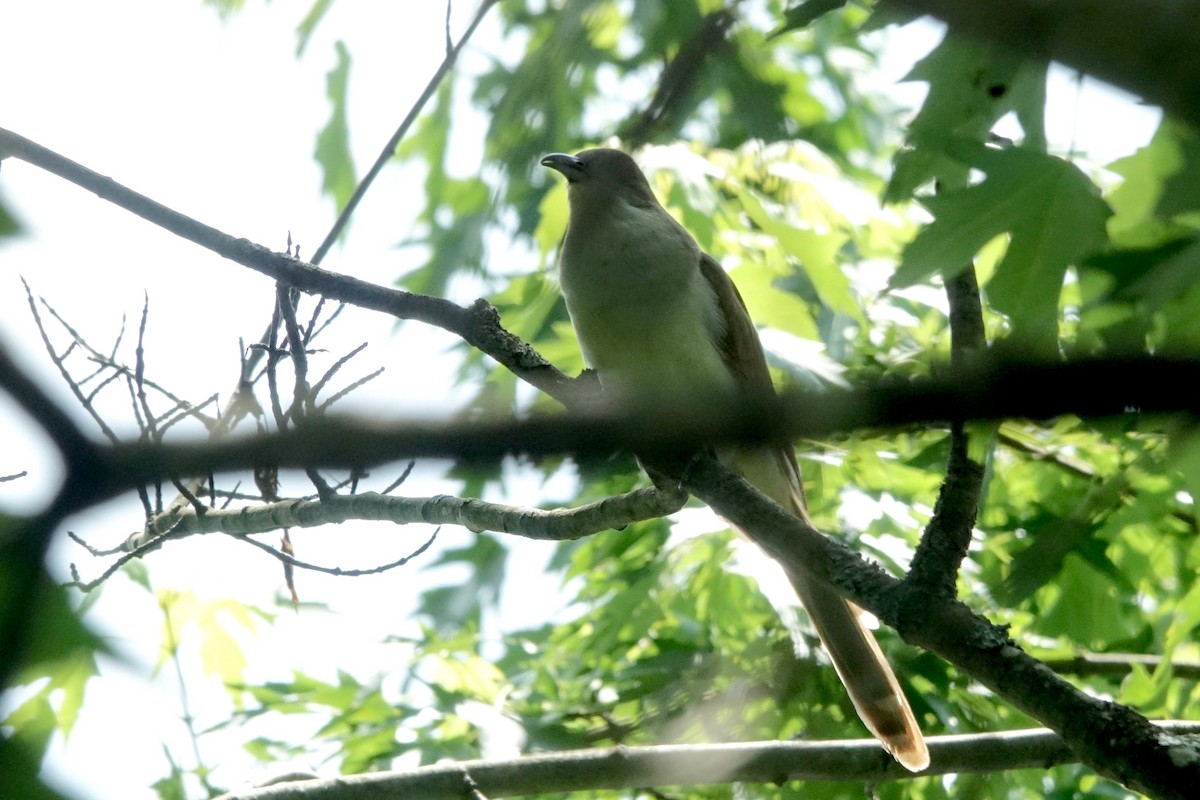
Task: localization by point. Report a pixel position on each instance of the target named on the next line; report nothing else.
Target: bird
(659, 320)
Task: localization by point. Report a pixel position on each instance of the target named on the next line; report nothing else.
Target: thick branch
(856, 760)
(994, 390)
(946, 539)
(1110, 387)
(1111, 739)
(678, 79)
(532, 523)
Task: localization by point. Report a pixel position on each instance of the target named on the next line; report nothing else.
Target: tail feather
(864, 671)
(856, 656)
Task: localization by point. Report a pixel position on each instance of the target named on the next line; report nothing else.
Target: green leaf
(1143, 690)
(22, 776)
(1087, 608)
(450, 607)
(9, 226)
(889, 12)
(804, 14)
(1184, 455)
(137, 572)
(33, 723)
(1053, 215)
(308, 25)
(815, 250)
(1153, 276)
(225, 8)
(1181, 192)
(60, 631)
(333, 142)
(971, 85)
(1139, 219)
(1184, 621)
(220, 652)
(171, 787)
(552, 222)
(62, 658)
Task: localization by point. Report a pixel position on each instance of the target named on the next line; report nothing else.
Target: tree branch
(947, 537)
(558, 524)
(991, 389)
(478, 325)
(858, 760)
(1120, 664)
(678, 79)
(1111, 739)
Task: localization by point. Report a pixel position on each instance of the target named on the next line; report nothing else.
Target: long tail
(864, 671)
(856, 656)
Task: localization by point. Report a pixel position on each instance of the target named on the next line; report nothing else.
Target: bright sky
(218, 121)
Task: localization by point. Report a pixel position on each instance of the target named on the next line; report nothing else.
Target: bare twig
(291, 561)
(391, 487)
(319, 386)
(94, 551)
(184, 410)
(64, 372)
(478, 325)
(147, 545)
(1120, 664)
(338, 395)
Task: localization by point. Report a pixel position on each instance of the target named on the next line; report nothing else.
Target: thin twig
(94, 551)
(391, 487)
(189, 720)
(286, 303)
(338, 395)
(292, 561)
(319, 386)
(389, 149)
(64, 372)
(1120, 664)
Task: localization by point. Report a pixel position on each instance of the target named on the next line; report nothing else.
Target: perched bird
(660, 320)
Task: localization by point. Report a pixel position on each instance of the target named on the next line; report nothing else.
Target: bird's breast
(645, 316)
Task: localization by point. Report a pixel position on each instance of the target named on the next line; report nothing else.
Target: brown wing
(860, 664)
(742, 352)
(739, 344)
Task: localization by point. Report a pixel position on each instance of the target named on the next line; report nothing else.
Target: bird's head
(600, 175)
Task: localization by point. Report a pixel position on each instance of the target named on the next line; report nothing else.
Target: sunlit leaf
(1053, 215)
(308, 25)
(333, 142)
